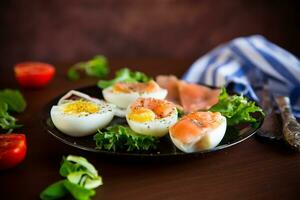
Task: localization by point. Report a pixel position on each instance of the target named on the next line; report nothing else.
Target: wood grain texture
(62, 30)
(249, 170)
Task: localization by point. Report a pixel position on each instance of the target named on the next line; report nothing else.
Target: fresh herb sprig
(124, 75)
(118, 138)
(7, 121)
(10, 101)
(97, 66)
(81, 180)
(237, 109)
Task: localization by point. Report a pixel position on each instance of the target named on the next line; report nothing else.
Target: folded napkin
(249, 64)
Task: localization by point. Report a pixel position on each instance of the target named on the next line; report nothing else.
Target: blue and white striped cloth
(250, 63)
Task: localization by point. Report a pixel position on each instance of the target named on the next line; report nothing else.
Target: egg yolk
(80, 107)
(141, 115)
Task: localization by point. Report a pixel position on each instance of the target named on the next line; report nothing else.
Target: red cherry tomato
(12, 150)
(34, 74)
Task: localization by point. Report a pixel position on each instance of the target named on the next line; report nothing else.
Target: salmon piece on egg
(151, 86)
(153, 117)
(198, 131)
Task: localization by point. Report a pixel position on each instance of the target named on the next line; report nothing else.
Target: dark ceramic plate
(233, 135)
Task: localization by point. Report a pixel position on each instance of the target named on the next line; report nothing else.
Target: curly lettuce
(124, 75)
(237, 109)
(97, 67)
(118, 137)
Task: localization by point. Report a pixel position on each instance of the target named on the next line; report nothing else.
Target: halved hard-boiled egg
(198, 131)
(78, 114)
(123, 94)
(149, 116)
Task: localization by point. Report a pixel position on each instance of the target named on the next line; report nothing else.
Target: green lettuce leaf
(124, 75)
(97, 66)
(81, 180)
(237, 109)
(119, 137)
(14, 99)
(55, 191)
(79, 192)
(68, 167)
(73, 74)
(6, 120)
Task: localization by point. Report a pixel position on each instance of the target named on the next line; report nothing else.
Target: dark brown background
(72, 30)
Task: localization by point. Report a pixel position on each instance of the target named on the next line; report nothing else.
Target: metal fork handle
(284, 107)
(291, 128)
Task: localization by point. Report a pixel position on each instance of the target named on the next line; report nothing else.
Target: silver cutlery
(291, 128)
(267, 130)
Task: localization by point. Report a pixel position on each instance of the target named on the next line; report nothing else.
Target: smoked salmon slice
(192, 97)
(171, 84)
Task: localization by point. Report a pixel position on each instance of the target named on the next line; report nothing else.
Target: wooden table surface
(250, 170)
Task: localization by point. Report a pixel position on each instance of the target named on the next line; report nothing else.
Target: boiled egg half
(198, 131)
(81, 116)
(123, 94)
(153, 117)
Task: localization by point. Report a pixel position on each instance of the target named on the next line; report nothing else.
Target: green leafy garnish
(237, 109)
(68, 167)
(14, 100)
(6, 120)
(56, 190)
(97, 66)
(124, 75)
(73, 74)
(83, 162)
(81, 180)
(78, 192)
(10, 101)
(118, 138)
(180, 112)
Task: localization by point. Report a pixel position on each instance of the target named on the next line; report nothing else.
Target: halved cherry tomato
(12, 150)
(34, 74)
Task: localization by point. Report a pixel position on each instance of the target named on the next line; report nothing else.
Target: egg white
(210, 139)
(123, 100)
(65, 98)
(156, 127)
(120, 112)
(81, 125)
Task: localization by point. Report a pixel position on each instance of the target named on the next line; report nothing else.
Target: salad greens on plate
(118, 137)
(236, 108)
(125, 75)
